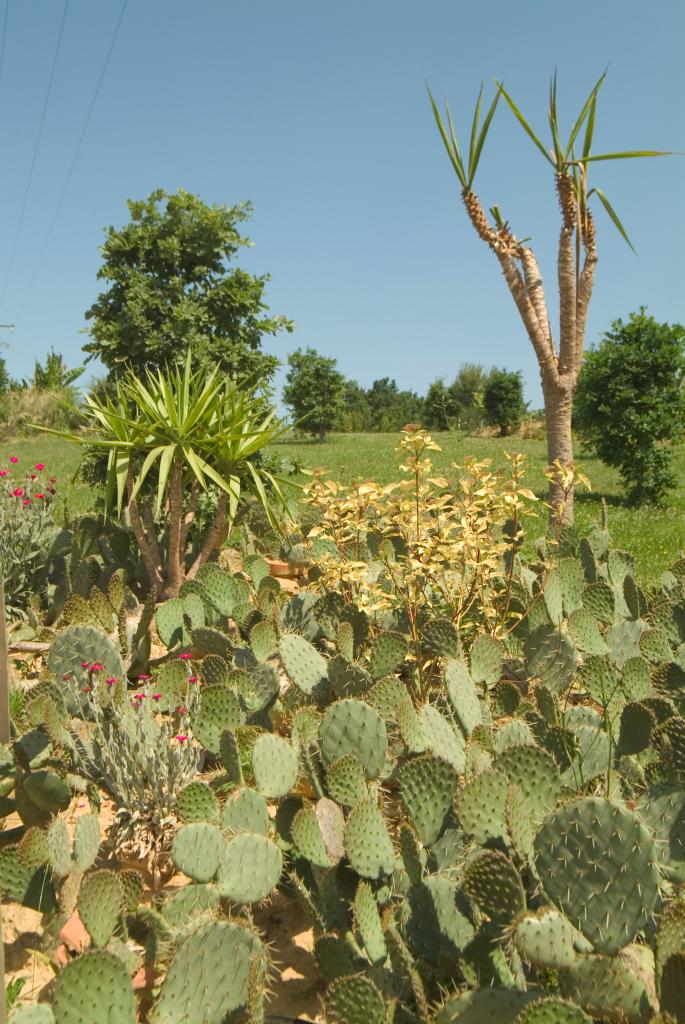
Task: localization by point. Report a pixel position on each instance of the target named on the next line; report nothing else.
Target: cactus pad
(303, 664)
(250, 868)
(485, 660)
(597, 861)
(367, 843)
(545, 938)
(219, 712)
(196, 802)
(194, 989)
(463, 696)
(427, 785)
(95, 988)
(100, 904)
(492, 882)
(353, 726)
(197, 850)
(275, 765)
(354, 1000)
(552, 1011)
(245, 810)
(387, 654)
(346, 780)
(480, 806)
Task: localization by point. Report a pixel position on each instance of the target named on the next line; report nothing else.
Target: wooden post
(4, 673)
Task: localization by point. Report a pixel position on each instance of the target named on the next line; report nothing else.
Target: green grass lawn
(654, 536)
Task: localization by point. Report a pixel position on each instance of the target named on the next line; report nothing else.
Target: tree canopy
(172, 284)
(630, 402)
(315, 391)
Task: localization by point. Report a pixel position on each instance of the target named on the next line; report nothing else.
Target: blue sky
(317, 113)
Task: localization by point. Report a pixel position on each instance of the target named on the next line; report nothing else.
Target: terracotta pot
(279, 569)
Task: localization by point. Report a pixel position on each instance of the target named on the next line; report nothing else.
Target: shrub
(23, 406)
(503, 400)
(26, 531)
(630, 402)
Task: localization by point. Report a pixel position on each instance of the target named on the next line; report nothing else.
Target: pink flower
(110, 682)
(144, 676)
(139, 696)
(192, 679)
(85, 664)
(181, 738)
(185, 657)
(156, 696)
(39, 495)
(96, 667)
(13, 459)
(181, 710)
(18, 492)
(39, 466)
(3, 472)
(26, 501)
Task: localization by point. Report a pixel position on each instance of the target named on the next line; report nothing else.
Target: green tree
(356, 415)
(503, 400)
(391, 408)
(440, 409)
(315, 391)
(172, 286)
(630, 402)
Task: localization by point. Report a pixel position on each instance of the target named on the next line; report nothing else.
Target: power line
(35, 154)
(74, 159)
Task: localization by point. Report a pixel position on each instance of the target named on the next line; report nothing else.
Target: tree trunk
(558, 412)
(175, 557)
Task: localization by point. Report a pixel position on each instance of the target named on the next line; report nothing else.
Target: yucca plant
(177, 433)
(560, 360)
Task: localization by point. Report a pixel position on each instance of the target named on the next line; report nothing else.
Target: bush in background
(503, 400)
(630, 402)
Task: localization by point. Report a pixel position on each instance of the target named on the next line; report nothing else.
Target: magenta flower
(13, 459)
(18, 492)
(156, 696)
(181, 710)
(144, 676)
(33, 476)
(192, 679)
(39, 466)
(96, 667)
(26, 501)
(39, 495)
(86, 689)
(185, 657)
(3, 472)
(139, 696)
(85, 664)
(181, 738)
(110, 682)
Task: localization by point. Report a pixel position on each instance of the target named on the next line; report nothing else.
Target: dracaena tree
(559, 357)
(171, 435)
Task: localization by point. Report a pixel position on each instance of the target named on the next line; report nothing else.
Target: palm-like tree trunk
(559, 365)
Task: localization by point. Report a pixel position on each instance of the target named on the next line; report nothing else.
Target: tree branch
(508, 250)
(566, 272)
(189, 517)
(584, 290)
